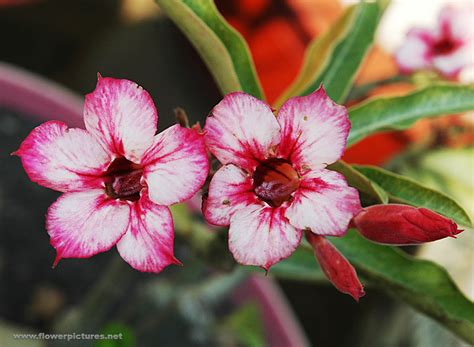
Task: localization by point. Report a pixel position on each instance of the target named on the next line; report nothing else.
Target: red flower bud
(403, 225)
(335, 266)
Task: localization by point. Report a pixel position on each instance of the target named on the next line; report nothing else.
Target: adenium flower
(273, 183)
(335, 266)
(396, 224)
(448, 48)
(117, 177)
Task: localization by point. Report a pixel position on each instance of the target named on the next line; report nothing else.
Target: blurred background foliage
(69, 42)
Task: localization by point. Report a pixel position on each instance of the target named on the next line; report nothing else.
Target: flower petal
(176, 166)
(148, 243)
(122, 116)
(63, 159)
(415, 53)
(323, 203)
(456, 21)
(241, 130)
(82, 224)
(451, 65)
(262, 236)
(314, 130)
(230, 189)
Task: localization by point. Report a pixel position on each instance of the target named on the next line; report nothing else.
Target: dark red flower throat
(123, 180)
(274, 180)
(445, 46)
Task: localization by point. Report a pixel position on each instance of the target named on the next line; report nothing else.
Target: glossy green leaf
(318, 54)
(222, 48)
(423, 284)
(407, 191)
(448, 170)
(397, 113)
(347, 57)
(357, 180)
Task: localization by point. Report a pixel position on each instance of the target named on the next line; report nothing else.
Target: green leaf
(222, 48)
(119, 335)
(398, 113)
(448, 170)
(421, 283)
(357, 180)
(318, 54)
(182, 218)
(347, 57)
(407, 191)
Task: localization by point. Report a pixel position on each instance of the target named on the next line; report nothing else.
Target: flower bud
(335, 266)
(403, 225)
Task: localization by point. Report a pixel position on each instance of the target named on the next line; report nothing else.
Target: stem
(360, 92)
(92, 311)
(193, 301)
(181, 117)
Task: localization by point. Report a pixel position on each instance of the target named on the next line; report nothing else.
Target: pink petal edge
(147, 245)
(241, 130)
(415, 53)
(230, 190)
(314, 130)
(63, 159)
(82, 224)
(262, 236)
(323, 203)
(122, 117)
(176, 165)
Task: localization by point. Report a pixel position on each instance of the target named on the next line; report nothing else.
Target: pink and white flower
(273, 183)
(117, 176)
(448, 48)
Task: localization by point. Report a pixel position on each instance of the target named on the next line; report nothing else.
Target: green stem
(360, 92)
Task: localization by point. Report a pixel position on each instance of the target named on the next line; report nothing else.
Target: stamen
(123, 180)
(274, 181)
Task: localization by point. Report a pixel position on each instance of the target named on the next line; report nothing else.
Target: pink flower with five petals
(448, 48)
(117, 176)
(273, 183)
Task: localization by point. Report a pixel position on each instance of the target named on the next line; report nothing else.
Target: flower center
(274, 181)
(444, 46)
(123, 180)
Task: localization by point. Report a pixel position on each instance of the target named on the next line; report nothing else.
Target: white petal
(176, 166)
(82, 224)
(262, 236)
(452, 64)
(323, 203)
(314, 130)
(415, 53)
(457, 21)
(63, 159)
(230, 190)
(241, 130)
(122, 116)
(148, 243)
